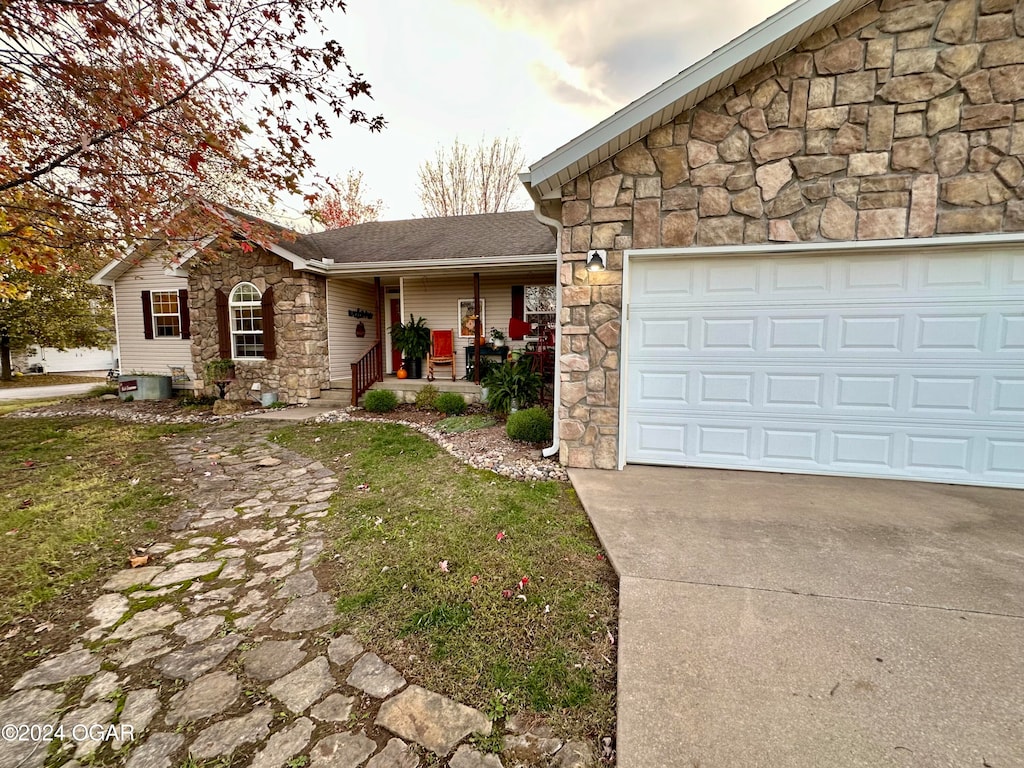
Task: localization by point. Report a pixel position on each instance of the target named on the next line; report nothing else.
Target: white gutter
(339, 269)
(552, 450)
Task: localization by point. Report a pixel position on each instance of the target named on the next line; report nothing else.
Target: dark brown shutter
(223, 326)
(147, 315)
(267, 305)
(518, 302)
(186, 319)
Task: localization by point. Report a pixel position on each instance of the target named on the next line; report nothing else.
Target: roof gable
(764, 43)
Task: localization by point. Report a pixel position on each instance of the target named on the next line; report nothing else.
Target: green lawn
(492, 590)
(46, 380)
(73, 495)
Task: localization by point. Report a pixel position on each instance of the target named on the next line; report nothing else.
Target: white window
(166, 314)
(539, 305)
(245, 306)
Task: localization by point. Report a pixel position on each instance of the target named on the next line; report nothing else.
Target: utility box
(144, 386)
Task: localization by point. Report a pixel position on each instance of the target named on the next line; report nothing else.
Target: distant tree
(55, 308)
(464, 180)
(343, 205)
(116, 114)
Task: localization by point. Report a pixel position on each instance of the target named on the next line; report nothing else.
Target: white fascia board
(743, 48)
(296, 261)
(819, 248)
(413, 265)
(108, 274)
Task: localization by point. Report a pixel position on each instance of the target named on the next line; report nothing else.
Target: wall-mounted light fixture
(597, 261)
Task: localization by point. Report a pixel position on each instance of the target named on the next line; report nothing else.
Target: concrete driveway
(47, 392)
(790, 621)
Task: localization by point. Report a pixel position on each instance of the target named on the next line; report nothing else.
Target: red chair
(517, 329)
(442, 352)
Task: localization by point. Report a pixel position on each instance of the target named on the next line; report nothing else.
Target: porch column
(378, 298)
(476, 328)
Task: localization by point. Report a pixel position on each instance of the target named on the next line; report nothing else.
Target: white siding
(343, 344)
(139, 354)
(436, 298)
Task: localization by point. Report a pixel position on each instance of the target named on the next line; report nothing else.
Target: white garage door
(880, 364)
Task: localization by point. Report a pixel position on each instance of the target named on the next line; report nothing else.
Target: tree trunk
(5, 358)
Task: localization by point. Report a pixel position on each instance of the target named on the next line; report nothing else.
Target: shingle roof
(517, 233)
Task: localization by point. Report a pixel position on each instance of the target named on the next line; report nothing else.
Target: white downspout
(552, 450)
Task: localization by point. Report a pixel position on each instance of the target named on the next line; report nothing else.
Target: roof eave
(427, 265)
(759, 45)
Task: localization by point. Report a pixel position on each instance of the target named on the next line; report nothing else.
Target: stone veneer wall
(903, 119)
(300, 370)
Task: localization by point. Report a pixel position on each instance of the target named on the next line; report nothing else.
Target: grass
(45, 380)
(73, 492)
(492, 591)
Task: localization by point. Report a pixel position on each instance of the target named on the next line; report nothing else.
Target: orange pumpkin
(402, 373)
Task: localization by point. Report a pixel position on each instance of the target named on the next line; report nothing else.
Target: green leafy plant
(195, 400)
(380, 400)
(514, 381)
(450, 403)
(425, 397)
(534, 425)
(221, 369)
(413, 338)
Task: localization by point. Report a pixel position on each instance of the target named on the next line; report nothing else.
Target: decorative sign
(360, 329)
(360, 314)
(129, 385)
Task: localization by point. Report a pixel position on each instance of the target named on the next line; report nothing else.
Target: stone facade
(299, 371)
(903, 120)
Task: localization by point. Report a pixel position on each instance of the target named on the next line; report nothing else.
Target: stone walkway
(224, 647)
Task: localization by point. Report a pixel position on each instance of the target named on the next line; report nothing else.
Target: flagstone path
(224, 647)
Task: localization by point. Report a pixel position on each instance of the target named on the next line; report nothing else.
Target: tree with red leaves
(117, 114)
(344, 205)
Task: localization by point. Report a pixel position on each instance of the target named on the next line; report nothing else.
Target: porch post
(379, 307)
(476, 327)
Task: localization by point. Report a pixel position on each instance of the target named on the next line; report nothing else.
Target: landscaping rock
(341, 750)
(58, 670)
(193, 660)
(284, 745)
(139, 708)
(375, 677)
(147, 622)
(334, 709)
(467, 757)
(30, 706)
(301, 584)
(133, 577)
(227, 735)
(431, 720)
(156, 752)
(209, 695)
(306, 613)
(186, 572)
(273, 659)
(198, 629)
(144, 648)
(303, 687)
(396, 754)
(107, 609)
(343, 649)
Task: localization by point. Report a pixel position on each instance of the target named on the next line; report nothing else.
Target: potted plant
(413, 338)
(497, 338)
(511, 386)
(221, 372)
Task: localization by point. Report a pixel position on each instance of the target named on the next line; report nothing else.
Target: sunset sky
(540, 70)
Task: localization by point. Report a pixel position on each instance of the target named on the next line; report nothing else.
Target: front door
(395, 313)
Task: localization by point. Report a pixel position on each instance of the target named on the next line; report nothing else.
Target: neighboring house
(814, 258)
(297, 316)
(53, 360)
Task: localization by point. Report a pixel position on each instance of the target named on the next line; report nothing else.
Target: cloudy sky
(542, 71)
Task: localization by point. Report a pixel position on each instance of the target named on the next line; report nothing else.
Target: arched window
(246, 307)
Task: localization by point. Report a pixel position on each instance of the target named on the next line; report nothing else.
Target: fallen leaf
(474, 580)
(443, 566)
(500, 536)
(25, 504)
(138, 561)
(46, 626)
(507, 594)
(363, 487)
(12, 632)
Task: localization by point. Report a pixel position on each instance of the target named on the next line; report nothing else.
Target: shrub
(196, 400)
(450, 403)
(425, 397)
(380, 400)
(512, 381)
(534, 425)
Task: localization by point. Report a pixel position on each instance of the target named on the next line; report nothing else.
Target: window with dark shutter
(186, 320)
(267, 305)
(147, 314)
(223, 326)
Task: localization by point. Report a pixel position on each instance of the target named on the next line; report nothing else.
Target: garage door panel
(881, 366)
